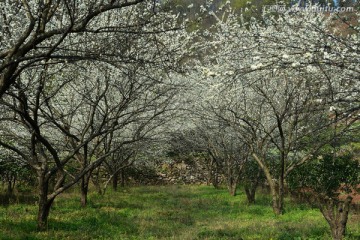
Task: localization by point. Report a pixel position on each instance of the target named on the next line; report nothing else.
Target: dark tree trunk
(83, 196)
(250, 188)
(10, 186)
(279, 209)
(280, 200)
(43, 214)
(84, 189)
(9, 195)
(115, 181)
(336, 214)
(122, 178)
(250, 193)
(9, 190)
(44, 203)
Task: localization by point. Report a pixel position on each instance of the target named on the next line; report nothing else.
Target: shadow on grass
(13, 230)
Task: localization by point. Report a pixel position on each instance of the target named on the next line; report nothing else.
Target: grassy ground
(171, 212)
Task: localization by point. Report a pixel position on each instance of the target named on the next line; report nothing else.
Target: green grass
(171, 212)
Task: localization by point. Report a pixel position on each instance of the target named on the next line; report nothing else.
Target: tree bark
(213, 173)
(115, 181)
(83, 196)
(231, 178)
(9, 195)
(277, 196)
(280, 202)
(215, 180)
(336, 214)
(250, 193)
(250, 188)
(84, 189)
(44, 202)
(122, 178)
(43, 214)
(96, 181)
(232, 185)
(278, 206)
(10, 186)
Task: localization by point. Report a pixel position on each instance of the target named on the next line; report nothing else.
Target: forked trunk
(250, 189)
(276, 190)
(336, 214)
(250, 193)
(10, 190)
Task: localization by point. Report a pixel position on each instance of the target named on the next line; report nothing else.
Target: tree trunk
(44, 203)
(84, 189)
(215, 180)
(232, 184)
(231, 179)
(278, 206)
(43, 214)
(336, 214)
(95, 178)
(115, 181)
(232, 187)
(250, 193)
(250, 188)
(10, 188)
(280, 202)
(277, 196)
(122, 178)
(277, 199)
(96, 183)
(213, 173)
